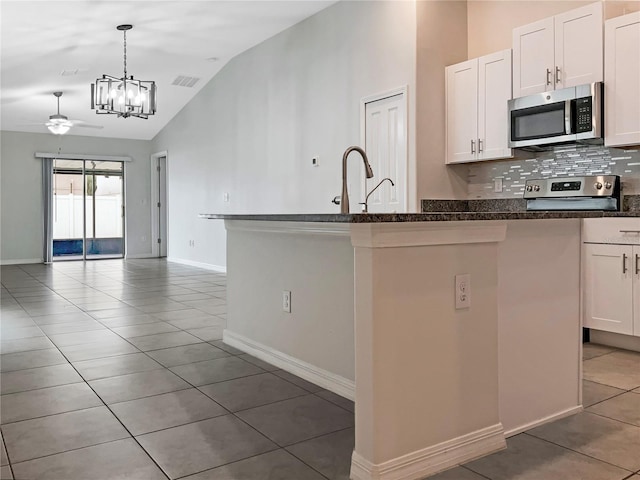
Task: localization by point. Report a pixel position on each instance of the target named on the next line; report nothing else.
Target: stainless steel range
(601, 192)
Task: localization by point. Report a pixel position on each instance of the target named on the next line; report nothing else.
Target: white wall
(263, 264)
(21, 189)
(253, 129)
(441, 41)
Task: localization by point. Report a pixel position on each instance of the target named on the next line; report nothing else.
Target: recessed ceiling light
(213, 59)
(69, 73)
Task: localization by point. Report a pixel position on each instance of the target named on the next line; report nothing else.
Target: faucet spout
(344, 201)
(366, 200)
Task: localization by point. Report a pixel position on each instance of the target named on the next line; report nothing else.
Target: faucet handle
(336, 199)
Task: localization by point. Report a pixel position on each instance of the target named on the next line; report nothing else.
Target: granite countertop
(417, 217)
(443, 211)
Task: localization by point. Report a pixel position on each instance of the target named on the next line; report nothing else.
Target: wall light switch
(226, 197)
(315, 161)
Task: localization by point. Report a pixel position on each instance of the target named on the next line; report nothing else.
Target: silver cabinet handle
(557, 74)
(637, 264)
(473, 146)
(548, 77)
(479, 145)
(629, 231)
(624, 263)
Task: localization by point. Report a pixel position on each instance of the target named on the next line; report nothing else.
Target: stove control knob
(529, 188)
(608, 185)
(536, 188)
(598, 186)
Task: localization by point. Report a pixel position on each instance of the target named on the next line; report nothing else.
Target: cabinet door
(533, 58)
(608, 287)
(636, 291)
(622, 80)
(462, 112)
(578, 46)
(494, 91)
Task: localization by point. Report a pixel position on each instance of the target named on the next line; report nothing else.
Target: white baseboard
(206, 266)
(617, 340)
(550, 418)
(21, 261)
(139, 255)
(433, 459)
(335, 383)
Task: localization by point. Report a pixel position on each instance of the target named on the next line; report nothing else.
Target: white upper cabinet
(533, 58)
(477, 93)
(558, 52)
(494, 92)
(462, 111)
(622, 80)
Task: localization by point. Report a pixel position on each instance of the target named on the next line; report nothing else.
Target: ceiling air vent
(184, 81)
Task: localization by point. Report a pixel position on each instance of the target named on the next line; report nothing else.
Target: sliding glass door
(88, 209)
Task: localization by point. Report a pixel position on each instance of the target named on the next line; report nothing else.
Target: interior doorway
(87, 209)
(159, 219)
(384, 128)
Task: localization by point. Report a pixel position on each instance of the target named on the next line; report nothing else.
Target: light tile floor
(116, 369)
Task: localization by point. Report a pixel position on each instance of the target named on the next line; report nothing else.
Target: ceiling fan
(60, 124)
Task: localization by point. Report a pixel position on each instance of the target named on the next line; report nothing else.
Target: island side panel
(539, 326)
(267, 258)
(427, 374)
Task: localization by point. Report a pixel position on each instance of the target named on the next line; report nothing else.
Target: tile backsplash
(560, 162)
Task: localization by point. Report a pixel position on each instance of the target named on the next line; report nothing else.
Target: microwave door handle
(568, 127)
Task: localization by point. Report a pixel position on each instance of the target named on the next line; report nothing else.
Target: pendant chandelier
(126, 96)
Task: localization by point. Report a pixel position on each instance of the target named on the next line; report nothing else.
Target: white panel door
(533, 58)
(494, 91)
(636, 291)
(578, 47)
(462, 111)
(622, 80)
(608, 288)
(386, 147)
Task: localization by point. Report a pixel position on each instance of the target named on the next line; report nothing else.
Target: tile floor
(115, 370)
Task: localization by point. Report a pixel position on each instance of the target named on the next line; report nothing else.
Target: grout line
(480, 474)
(615, 419)
(575, 451)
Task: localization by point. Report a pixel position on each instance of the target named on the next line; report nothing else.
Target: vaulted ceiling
(49, 46)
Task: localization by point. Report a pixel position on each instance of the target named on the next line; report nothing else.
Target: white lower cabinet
(611, 276)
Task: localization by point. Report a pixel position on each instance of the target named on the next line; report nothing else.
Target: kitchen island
(373, 317)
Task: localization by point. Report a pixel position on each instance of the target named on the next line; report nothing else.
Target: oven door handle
(568, 124)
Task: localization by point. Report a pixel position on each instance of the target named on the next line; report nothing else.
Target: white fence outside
(67, 216)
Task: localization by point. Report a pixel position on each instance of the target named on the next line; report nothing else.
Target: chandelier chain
(125, 53)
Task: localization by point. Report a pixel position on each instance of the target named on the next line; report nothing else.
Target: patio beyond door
(88, 209)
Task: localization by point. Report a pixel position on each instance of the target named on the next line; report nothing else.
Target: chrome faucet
(344, 198)
(365, 206)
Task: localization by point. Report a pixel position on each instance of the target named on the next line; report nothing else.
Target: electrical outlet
(463, 291)
(286, 301)
(315, 161)
(497, 185)
(226, 197)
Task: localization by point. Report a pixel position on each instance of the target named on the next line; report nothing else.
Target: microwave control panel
(584, 114)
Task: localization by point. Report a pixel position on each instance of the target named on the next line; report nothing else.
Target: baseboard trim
(433, 459)
(618, 340)
(335, 383)
(139, 255)
(206, 266)
(550, 418)
(21, 261)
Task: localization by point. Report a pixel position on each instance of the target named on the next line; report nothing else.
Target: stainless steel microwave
(568, 115)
